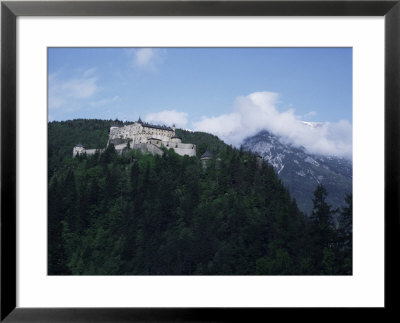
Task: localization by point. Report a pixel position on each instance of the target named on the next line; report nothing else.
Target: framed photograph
(195, 160)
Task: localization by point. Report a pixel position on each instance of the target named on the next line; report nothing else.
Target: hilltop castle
(143, 136)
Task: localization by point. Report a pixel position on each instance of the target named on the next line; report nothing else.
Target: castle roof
(79, 145)
(148, 125)
(207, 154)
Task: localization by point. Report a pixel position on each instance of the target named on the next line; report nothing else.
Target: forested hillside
(63, 136)
(139, 214)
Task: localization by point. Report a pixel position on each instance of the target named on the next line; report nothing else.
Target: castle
(143, 136)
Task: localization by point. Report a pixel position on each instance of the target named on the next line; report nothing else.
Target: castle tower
(176, 139)
(259, 160)
(205, 158)
(78, 149)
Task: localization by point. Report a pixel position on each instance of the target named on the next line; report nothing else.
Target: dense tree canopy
(141, 214)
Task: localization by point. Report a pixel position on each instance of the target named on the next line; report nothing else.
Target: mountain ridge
(302, 171)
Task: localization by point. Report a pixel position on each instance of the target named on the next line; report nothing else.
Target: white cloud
(147, 58)
(63, 91)
(168, 117)
(257, 112)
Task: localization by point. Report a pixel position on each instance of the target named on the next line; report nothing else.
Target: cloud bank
(258, 111)
(168, 117)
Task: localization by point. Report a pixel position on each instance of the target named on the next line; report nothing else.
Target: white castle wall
(121, 146)
(136, 132)
(185, 149)
(81, 150)
(93, 151)
(177, 146)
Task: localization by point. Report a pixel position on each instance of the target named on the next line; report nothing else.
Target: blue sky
(204, 88)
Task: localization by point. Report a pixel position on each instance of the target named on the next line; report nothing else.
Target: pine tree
(346, 222)
(322, 233)
(345, 233)
(56, 247)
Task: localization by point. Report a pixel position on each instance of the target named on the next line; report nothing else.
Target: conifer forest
(141, 214)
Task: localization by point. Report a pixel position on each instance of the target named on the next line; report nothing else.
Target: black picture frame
(10, 10)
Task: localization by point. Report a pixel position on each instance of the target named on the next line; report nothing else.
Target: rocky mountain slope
(301, 171)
